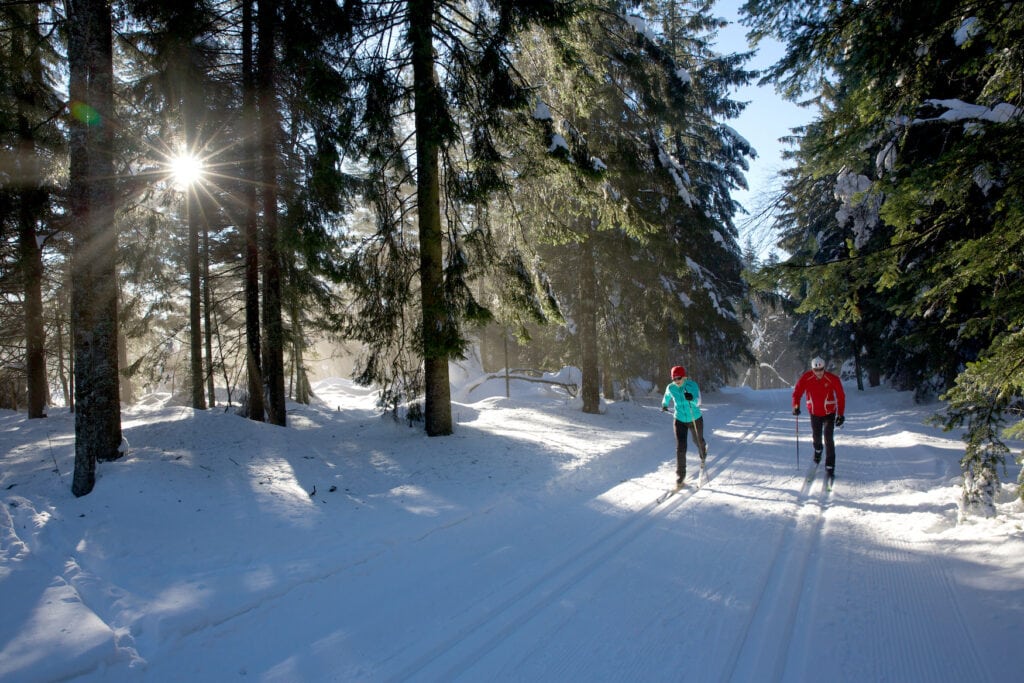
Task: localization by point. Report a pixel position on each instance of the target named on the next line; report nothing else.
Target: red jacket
(825, 396)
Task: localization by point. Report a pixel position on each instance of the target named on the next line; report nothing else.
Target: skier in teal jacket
(685, 393)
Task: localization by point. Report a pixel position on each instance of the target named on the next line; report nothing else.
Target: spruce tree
(30, 138)
(637, 117)
(92, 206)
(452, 162)
(925, 116)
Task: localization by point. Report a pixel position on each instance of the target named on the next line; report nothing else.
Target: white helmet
(818, 363)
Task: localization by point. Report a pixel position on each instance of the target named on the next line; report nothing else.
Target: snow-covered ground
(528, 546)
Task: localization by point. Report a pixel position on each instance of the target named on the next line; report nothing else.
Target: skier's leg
(816, 425)
(830, 444)
(680, 429)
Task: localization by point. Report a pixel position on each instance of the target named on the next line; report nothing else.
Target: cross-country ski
(670, 492)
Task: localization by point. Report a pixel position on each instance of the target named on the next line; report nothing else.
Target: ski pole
(697, 440)
(797, 418)
(702, 474)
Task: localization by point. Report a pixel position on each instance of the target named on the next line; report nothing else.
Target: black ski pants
(681, 430)
(825, 426)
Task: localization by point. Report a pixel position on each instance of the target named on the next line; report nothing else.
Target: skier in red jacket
(826, 402)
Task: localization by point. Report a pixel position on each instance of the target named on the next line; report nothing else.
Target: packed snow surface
(527, 546)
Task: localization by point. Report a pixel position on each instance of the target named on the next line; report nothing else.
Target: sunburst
(186, 169)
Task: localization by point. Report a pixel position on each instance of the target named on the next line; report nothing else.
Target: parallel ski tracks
(787, 597)
(761, 648)
(923, 606)
(465, 646)
(469, 643)
(719, 463)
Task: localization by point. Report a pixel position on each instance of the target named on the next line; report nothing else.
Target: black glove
(840, 420)
(796, 410)
(687, 395)
(664, 409)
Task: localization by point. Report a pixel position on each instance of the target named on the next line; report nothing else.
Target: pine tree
(184, 66)
(454, 161)
(180, 67)
(635, 116)
(247, 171)
(92, 206)
(30, 138)
(925, 117)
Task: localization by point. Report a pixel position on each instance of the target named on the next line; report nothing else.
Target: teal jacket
(686, 411)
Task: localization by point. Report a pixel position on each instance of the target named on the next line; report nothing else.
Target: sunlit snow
(527, 546)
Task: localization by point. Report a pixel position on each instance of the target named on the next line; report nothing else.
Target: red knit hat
(678, 371)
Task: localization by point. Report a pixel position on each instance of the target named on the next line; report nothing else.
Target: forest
(209, 198)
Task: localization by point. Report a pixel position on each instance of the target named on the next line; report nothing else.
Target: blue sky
(766, 119)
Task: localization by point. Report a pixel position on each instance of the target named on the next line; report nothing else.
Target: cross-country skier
(826, 403)
(685, 393)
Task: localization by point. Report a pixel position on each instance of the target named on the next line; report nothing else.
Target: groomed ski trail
(760, 649)
(463, 654)
(916, 594)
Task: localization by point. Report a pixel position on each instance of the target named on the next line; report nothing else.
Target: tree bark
(273, 327)
(303, 392)
(208, 310)
(589, 365)
(31, 204)
(94, 246)
(195, 299)
(253, 351)
(62, 372)
(191, 100)
(437, 404)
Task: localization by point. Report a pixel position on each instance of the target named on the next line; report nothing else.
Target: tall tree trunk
(207, 309)
(253, 342)
(94, 245)
(124, 382)
(437, 408)
(589, 366)
(192, 104)
(31, 203)
(62, 372)
(195, 299)
(303, 392)
(31, 206)
(273, 326)
(608, 383)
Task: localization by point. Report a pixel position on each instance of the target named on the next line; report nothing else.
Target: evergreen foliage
(32, 147)
(647, 166)
(435, 107)
(920, 136)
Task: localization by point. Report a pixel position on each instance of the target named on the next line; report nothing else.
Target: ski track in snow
(758, 574)
(917, 601)
(760, 648)
(790, 593)
(454, 657)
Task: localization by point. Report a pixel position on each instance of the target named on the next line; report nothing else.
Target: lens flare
(186, 169)
(84, 113)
